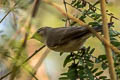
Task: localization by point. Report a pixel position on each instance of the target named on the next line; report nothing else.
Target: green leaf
(113, 39)
(97, 60)
(99, 73)
(88, 12)
(90, 64)
(96, 16)
(94, 70)
(72, 74)
(81, 74)
(82, 18)
(90, 75)
(104, 66)
(99, 20)
(102, 57)
(63, 78)
(116, 43)
(92, 51)
(96, 3)
(73, 1)
(67, 60)
(102, 77)
(61, 53)
(88, 49)
(94, 23)
(64, 74)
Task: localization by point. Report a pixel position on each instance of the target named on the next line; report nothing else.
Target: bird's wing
(78, 32)
(64, 35)
(74, 32)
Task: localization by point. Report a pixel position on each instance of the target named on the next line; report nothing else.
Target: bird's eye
(40, 32)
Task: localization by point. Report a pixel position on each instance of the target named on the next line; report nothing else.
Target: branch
(67, 23)
(39, 62)
(34, 54)
(106, 36)
(9, 11)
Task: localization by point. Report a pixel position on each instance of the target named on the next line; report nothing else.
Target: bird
(64, 39)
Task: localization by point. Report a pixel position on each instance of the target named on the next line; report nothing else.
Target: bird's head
(41, 34)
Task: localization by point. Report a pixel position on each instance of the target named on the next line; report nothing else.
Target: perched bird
(64, 39)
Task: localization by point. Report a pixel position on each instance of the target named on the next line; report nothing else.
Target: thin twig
(31, 73)
(106, 36)
(79, 10)
(39, 62)
(9, 11)
(5, 75)
(83, 25)
(67, 23)
(33, 54)
(36, 6)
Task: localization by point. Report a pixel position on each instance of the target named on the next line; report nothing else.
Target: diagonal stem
(106, 36)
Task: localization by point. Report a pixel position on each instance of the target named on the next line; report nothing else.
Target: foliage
(82, 64)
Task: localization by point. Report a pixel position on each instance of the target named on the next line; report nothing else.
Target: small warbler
(64, 39)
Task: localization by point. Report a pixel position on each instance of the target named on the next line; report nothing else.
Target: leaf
(73, 1)
(102, 57)
(96, 16)
(63, 78)
(104, 66)
(88, 49)
(90, 75)
(67, 60)
(94, 70)
(94, 23)
(113, 39)
(96, 3)
(72, 74)
(99, 20)
(63, 74)
(102, 77)
(97, 60)
(99, 73)
(61, 53)
(88, 12)
(92, 51)
(81, 74)
(82, 18)
(116, 43)
(90, 64)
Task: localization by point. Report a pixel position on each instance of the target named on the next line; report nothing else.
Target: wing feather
(65, 35)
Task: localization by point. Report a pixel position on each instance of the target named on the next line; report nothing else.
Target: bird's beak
(33, 36)
(36, 36)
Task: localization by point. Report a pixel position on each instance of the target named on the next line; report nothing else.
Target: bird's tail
(99, 28)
